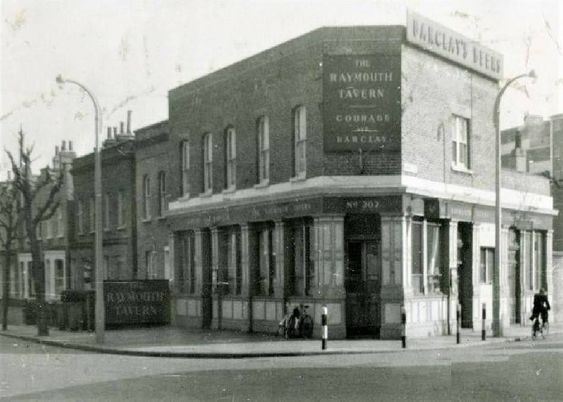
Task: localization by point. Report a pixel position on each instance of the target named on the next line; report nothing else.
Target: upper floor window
(207, 163)
(120, 209)
(80, 217)
(185, 163)
(299, 140)
(460, 142)
(146, 197)
(486, 265)
(230, 158)
(161, 193)
(263, 128)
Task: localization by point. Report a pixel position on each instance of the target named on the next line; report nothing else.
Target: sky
(130, 53)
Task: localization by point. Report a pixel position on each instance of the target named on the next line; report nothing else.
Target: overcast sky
(131, 52)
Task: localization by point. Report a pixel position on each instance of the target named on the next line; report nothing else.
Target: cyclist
(540, 309)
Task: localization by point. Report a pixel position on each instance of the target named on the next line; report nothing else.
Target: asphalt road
(519, 371)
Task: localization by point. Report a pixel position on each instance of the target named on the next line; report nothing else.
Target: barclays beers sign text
(449, 44)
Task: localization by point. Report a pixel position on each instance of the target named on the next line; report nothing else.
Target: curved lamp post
(496, 324)
(98, 253)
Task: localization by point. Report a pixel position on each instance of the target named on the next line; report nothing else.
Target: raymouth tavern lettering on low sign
(451, 45)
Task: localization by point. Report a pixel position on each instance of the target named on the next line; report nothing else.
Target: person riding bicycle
(541, 307)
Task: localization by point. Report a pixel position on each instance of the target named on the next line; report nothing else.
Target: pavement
(171, 341)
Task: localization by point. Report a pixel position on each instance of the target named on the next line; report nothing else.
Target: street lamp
(98, 253)
(496, 325)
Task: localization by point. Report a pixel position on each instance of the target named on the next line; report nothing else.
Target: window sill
(121, 227)
(161, 218)
(146, 220)
(461, 169)
(229, 190)
(206, 194)
(298, 178)
(262, 184)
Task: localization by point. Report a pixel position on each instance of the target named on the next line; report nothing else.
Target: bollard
(458, 319)
(483, 317)
(324, 323)
(403, 327)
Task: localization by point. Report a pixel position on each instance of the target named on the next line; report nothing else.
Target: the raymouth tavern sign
(361, 102)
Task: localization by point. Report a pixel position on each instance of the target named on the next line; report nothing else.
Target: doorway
(207, 284)
(465, 272)
(363, 284)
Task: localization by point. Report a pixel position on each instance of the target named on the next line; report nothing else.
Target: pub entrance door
(514, 288)
(362, 282)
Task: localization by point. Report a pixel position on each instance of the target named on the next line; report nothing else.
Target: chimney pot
(121, 129)
(109, 133)
(70, 145)
(56, 149)
(129, 122)
(63, 146)
(115, 131)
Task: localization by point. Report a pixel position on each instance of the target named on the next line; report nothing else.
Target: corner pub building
(351, 167)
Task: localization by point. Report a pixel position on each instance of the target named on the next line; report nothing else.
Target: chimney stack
(129, 122)
(109, 133)
(115, 132)
(121, 127)
(56, 149)
(63, 146)
(70, 145)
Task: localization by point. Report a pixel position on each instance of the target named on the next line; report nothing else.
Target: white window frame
(231, 158)
(461, 143)
(207, 163)
(162, 205)
(263, 133)
(146, 197)
(185, 156)
(300, 141)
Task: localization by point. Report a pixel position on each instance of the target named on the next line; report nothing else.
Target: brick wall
(432, 91)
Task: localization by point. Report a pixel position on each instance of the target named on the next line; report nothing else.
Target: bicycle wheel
(307, 327)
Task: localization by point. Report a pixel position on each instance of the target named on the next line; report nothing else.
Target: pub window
(263, 134)
(460, 142)
(486, 265)
(299, 141)
(207, 163)
(234, 269)
(433, 260)
(185, 266)
(265, 269)
(301, 276)
(230, 158)
(185, 173)
(162, 205)
(417, 258)
(146, 197)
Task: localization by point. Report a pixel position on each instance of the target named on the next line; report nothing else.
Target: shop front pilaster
(279, 252)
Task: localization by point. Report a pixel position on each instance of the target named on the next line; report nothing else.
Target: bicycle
(298, 324)
(542, 329)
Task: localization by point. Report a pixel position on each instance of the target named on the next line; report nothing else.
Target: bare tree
(9, 223)
(35, 210)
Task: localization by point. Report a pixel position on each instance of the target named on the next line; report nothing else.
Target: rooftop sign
(453, 46)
